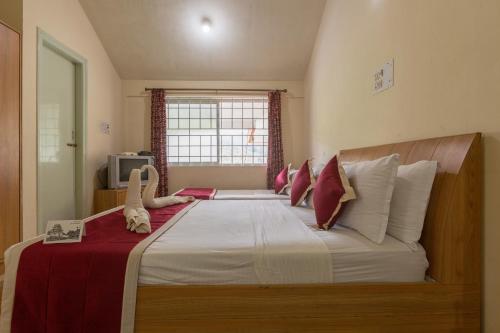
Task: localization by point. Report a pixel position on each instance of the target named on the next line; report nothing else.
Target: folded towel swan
(136, 215)
(148, 195)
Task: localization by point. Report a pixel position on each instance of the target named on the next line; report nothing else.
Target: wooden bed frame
(450, 302)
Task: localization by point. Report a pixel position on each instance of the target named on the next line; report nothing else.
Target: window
(222, 130)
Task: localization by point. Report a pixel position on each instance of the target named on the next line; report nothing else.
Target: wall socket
(384, 77)
(105, 128)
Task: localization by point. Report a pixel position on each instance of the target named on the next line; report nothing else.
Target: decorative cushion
(409, 200)
(303, 182)
(373, 182)
(331, 192)
(282, 181)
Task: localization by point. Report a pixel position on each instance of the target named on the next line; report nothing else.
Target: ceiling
(249, 39)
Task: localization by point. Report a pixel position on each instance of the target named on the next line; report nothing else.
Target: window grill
(221, 130)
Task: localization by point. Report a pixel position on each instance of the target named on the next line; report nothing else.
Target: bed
(448, 301)
(203, 282)
(249, 195)
(218, 249)
(255, 194)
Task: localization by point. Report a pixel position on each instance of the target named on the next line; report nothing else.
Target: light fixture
(206, 25)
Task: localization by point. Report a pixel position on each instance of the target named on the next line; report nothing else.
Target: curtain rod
(223, 89)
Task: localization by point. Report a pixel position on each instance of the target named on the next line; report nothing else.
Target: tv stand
(105, 199)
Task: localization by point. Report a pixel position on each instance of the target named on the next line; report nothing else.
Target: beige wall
(66, 21)
(137, 132)
(11, 13)
(447, 81)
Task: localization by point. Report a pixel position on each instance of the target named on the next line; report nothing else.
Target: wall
(447, 81)
(11, 13)
(137, 132)
(66, 21)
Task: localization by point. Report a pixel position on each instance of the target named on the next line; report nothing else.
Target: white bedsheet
(249, 195)
(355, 258)
(260, 242)
(204, 248)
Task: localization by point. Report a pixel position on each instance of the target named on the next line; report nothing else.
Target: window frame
(218, 100)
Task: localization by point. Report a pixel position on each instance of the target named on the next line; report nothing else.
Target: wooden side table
(105, 199)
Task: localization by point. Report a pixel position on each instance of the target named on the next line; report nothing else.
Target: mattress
(249, 195)
(207, 247)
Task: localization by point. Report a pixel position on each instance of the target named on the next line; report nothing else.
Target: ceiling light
(206, 25)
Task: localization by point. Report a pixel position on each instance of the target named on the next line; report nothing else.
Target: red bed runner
(202, 193)
(79, 287)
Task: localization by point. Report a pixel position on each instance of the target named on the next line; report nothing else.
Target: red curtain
(159, 138)
(275, 144)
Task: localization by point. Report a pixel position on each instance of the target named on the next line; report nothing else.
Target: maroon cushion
(331, 192)
(303, 182)
(281, 182)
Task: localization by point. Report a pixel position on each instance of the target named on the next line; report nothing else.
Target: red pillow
(331, 192)
(282, 181)
(302, 184)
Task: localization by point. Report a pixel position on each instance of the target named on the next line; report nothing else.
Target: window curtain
(275, 144)
(159, 138)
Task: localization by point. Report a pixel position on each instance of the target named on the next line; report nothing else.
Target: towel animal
(148, 195)
(136, 216)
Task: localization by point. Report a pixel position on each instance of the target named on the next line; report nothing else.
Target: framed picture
(64, 231)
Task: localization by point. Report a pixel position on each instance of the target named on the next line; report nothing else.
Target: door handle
(71, 145)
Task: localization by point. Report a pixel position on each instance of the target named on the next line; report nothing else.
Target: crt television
(120, 166)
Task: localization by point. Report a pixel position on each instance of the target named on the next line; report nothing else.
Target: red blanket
(202, 193)
(79, 287)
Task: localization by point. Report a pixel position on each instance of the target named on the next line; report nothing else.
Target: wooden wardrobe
(10, 141)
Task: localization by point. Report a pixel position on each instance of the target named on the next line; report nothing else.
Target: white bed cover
(214, 245)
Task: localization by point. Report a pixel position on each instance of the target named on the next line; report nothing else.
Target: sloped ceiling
(249, 39)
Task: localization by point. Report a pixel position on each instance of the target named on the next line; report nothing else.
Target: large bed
(266, 267)
(210, 247)
(448, 301)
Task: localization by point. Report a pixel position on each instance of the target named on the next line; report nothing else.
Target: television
(120, 166)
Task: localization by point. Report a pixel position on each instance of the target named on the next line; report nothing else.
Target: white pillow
(317, 169)
(409, 200)
(308, 201)
(291, 176)
(373, 182)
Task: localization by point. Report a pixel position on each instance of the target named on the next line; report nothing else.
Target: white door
(56, 137)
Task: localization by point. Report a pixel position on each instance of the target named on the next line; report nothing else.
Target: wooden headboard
(452, 230)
